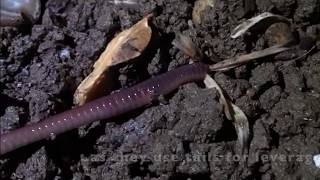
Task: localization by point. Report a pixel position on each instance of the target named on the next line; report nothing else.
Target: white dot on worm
(52, 136)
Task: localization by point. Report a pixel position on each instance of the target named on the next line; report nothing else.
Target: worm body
(15, 12)
(103, 108)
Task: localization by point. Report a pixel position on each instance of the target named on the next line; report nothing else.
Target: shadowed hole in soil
(275, 137)
(281, 82)
(65, 151)
(68, 41)
(12, 102)
(255, 168)
(186, 146)
(181, 176)
(226, 133)
(140, 169)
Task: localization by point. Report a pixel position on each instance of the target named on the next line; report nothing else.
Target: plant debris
(184, 44)
(279, 33)
(233, 113)
(199, 6)
(125, 46)
(128, 2)
(263, 19)
(237, 61)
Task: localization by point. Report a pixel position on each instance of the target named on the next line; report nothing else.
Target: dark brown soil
(186, 137)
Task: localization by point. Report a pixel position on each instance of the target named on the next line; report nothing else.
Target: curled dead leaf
(125, 46)
(265, 19)
(233, 113)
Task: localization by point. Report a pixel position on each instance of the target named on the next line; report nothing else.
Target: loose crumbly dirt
(186, 136)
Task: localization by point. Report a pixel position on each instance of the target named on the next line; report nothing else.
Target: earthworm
(117, 103)
(15, 12)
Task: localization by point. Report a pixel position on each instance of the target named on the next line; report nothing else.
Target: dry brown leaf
(125, 46)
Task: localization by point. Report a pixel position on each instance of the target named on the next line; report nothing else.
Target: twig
(236, 61)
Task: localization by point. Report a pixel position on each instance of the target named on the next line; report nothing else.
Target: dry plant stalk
(125, 46)
(243, 59)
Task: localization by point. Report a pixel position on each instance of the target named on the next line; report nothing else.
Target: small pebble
(316, 159)
(25, 72)
(19, 85)
(2, 61)
(64, 54)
